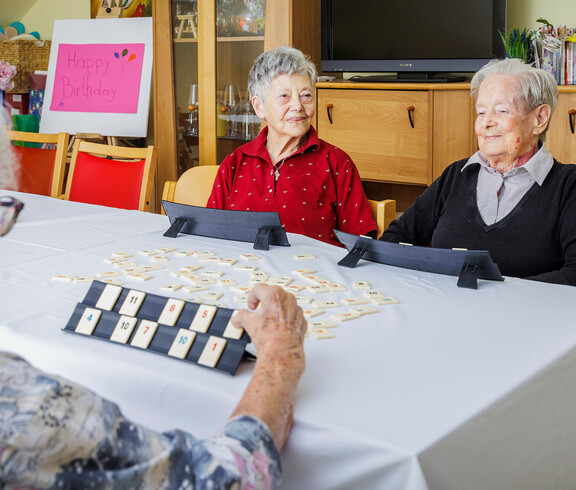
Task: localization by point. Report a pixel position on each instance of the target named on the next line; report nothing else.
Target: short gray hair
(8, 177)
(276, 62)
(535, 86)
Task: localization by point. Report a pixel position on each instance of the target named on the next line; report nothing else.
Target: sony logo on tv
(404, 65)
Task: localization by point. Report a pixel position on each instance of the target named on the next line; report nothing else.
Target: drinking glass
(192, 123)
(231, 100)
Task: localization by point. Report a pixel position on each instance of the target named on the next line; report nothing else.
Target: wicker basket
(27, 57)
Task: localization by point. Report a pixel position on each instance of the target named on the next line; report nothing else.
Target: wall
(523, 13)
(42, 14)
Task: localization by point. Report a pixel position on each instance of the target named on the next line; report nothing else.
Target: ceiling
(13, 10)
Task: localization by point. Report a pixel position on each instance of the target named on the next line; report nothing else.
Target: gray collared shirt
(497, 194)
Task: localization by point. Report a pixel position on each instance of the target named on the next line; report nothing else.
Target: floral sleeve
(56, 434)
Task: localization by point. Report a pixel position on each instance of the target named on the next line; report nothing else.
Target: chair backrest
(383, 212)
(42, 161)
(193, 187)
(114, 176)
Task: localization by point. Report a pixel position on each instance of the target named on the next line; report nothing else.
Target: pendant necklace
(277, 170)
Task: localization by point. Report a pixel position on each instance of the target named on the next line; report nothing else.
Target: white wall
(523, 13)
(43, 13)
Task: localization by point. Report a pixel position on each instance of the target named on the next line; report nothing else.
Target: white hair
(280, 61)
(8, 178)
(535, 86)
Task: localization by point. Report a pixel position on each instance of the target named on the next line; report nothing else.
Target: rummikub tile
(167, 250)
(346, 316)
(132, 303)
(321, 333)
(153, 267)
(212, 295)
(204, 253)
(240, 288)
(123, 329)
(303, 271)
(140, 276)
(317, 288)
(228, 261)
(88, 321)
(295, 288)
(105, 275)
(63, 277)
(82, 279)
(148, 252)
(171, 311)
(212, 351)
(112, 280)
(304, 256)
(133, 270)
(249, 257)
(241, 298)
(372, 293)
(322, 324)
(231, 331)
(123, 255)
(191, 268)
(355, 301)
(184, 253)
(204, 281)
(226, 283)
(280, 280)
(125, 264)
(360, 285)
(182, 343)
(365, 310)
(203, 318)
(312, 312)
(212, 259)
(211, 273)
(336, 287)
(327, 304)
(303, 300)
(108, 298)
(249, 268)
(144, 334)
(173, 286)
(159, 258)
(257, 280)
(195, 288)
(384, 300)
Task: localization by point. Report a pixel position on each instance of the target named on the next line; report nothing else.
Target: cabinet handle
(329, 112)
(411, 109)
(571, 114)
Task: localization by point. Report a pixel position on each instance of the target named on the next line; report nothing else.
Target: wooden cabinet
(373, 123)
(397, 133)
(211, 62)
(561, 136)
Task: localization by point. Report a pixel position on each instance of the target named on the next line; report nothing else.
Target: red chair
(114, 176)
(42, 167)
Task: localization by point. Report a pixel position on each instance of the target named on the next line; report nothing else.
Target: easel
(187, 25)
(110, 9)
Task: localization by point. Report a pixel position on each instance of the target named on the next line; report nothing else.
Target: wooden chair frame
(383, 212)
(149, 154)
(61, 141)
(193, 187)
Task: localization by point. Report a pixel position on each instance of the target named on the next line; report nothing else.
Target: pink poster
(97, 78)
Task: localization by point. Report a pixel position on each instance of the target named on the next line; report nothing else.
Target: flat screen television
(416, 39)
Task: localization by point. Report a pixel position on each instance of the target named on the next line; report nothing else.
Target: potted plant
(519, 44)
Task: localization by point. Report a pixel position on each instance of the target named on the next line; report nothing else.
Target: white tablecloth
(449, 389)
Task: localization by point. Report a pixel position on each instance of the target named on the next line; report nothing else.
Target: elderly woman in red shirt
(314, 186)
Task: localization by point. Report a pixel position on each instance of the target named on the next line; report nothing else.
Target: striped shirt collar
(538, 166)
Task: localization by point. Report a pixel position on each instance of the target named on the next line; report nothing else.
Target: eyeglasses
(9, 210)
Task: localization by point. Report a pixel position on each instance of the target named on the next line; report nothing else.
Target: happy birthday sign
(97, 78)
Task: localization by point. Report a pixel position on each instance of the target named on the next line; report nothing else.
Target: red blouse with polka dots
(318, 188)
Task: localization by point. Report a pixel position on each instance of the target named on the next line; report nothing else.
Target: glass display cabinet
(204, 50)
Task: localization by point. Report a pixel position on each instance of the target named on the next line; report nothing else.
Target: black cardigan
(536, 240)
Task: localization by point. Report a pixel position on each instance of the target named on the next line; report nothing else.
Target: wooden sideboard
(403, 135)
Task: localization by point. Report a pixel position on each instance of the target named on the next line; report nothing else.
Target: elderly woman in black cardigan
(512, 197)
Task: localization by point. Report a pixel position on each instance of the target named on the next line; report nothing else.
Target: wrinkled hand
(276, 323)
